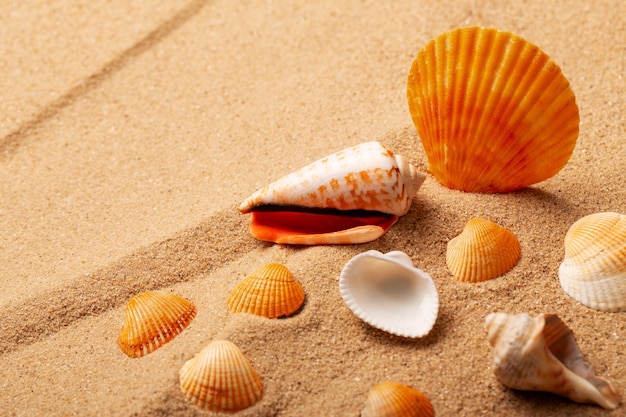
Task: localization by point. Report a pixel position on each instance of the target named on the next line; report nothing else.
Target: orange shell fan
(390, 399)
(153, 319)
(494, 112)
(483, 251)
(271, 291)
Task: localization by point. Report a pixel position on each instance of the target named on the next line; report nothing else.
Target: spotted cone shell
(494, 112)
(352, 196)
(153, 319)
(483, 251)
(220, 379)
(367, 176)
(540, 354)
(594, 268)
(390, 399)
(271, 291)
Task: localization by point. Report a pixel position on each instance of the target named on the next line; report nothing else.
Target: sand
(131, 131)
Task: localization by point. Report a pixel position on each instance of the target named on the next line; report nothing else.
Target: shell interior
(220, 379)
(494, 112)
(153, 319)
(271, 291)
(593, 270)
(389, 293)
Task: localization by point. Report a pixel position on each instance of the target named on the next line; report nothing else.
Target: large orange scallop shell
(483, 251)
(153, 319)
(593, 270)
(220, 379)
(390, 399)
(271, 291)
(494, 112)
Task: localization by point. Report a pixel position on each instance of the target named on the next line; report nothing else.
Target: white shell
(540, 354)
(593, 270)
(389, 293)
(367, 177)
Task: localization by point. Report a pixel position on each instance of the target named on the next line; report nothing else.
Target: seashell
(352, 196)
(541, 354)
(389, 293)
(494, 112)
(152, 320)
(390, 399)
(220, 379)
(594, 268)
(482, 251)
(271, 291)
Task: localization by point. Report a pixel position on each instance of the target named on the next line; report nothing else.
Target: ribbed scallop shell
(220, 379)
(153, 319)
(594, 268)
(390, 399)
(352, 196)
(483, 251)
(271, 291)
(494, 112)
(389, 293)
(540, 354)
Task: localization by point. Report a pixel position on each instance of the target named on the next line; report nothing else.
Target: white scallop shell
(389, 293)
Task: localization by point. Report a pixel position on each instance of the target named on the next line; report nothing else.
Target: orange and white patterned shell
(364, 177)
(271, 291)
(153, 319)
(594, 268)
(220, 379)
(483, 251)
(390, 399)
(494, 112)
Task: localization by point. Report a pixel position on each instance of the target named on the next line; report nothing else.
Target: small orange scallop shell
(220, 379)
(271, 291)
(390, 399)
(153, 319)
(594, 268)
(482, 251)
(494, 112)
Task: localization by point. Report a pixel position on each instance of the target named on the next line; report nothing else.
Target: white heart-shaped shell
(389, 293)
(594, 268)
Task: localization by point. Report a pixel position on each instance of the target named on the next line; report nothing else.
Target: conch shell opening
(351, 196)
(541, 354)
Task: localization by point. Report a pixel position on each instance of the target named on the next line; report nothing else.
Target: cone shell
(153, 319)
(494, 112)
(271, 291)
(482, 251)
(352, 196)
(364, 177)
(594, 268)
(390, 399)
(220, 379)
(541, 354)
(389, 293)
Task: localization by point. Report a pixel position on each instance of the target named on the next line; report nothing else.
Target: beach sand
(131, 131)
